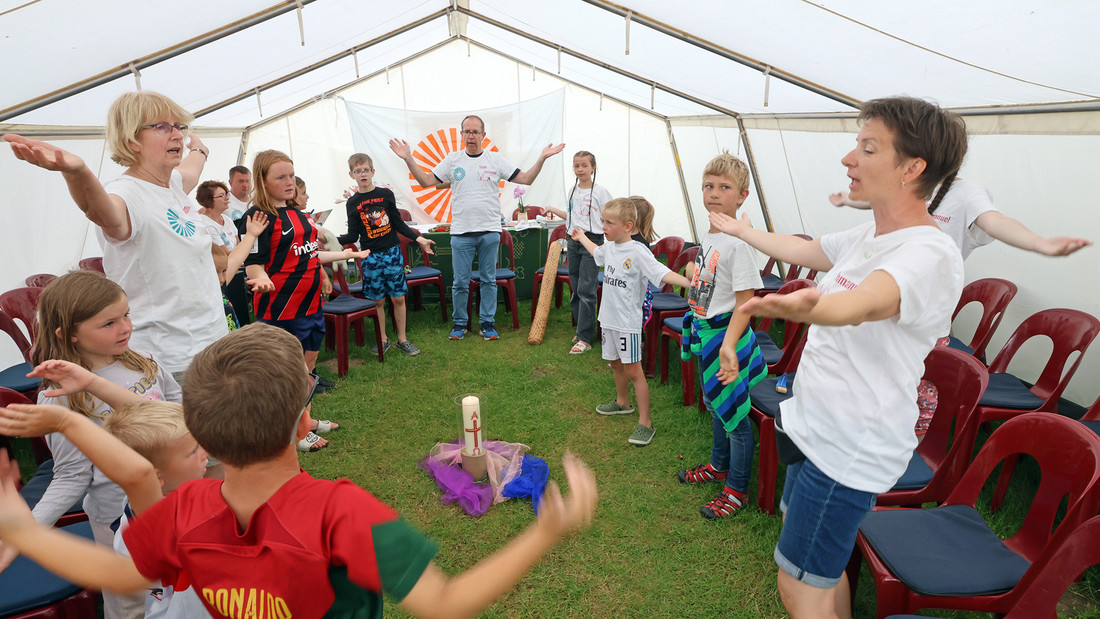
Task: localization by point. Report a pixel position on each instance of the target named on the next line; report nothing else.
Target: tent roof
(684, 59)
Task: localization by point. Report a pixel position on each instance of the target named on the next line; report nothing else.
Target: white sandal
(325, 426)
(580, 347)
(310, 443)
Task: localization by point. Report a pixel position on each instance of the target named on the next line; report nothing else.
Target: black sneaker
(326, 383)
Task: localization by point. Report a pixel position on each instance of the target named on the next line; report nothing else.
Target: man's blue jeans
(463, 250)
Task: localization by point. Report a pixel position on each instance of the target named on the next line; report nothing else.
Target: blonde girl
(85, 318)
(586, 201)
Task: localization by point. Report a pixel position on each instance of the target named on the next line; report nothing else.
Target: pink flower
(518, 192)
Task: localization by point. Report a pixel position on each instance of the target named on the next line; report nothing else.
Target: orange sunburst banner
(518, 132)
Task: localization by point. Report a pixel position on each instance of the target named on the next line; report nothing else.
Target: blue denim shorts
(310, 330)
(822, 519)
(384, 274)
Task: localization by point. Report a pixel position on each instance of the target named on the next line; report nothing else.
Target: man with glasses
(475, 175)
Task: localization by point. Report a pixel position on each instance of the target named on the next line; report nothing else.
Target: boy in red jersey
(270, 540)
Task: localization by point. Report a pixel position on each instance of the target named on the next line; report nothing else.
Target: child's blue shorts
(384, 274)
(819, 531)
(310, 330)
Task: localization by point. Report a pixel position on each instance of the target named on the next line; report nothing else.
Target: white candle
(471, 426)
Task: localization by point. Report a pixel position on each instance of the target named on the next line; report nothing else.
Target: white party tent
(654, 89)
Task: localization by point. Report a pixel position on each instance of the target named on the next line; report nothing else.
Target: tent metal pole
(728, 54)
(598, 63)
(124, 70)
(759, 187)
(683, 183)
(321, 63)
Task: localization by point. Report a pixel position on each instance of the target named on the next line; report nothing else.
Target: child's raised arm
(582, 238)
(467, 594)
(75, 559)
(328, 257)
(74, 378)
(119, 463)
(675, 279)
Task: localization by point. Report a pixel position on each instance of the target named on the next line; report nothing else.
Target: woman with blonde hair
(152, 244)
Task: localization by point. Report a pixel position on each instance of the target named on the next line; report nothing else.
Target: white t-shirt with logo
(224, 234)
(167, 271)
(960, 208)
(475, 189)
(628, 269)
(236, 208)
(724, 266)
(854, 403)
(585, 208)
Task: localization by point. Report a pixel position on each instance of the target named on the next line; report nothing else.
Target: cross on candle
(475, 432)
(471, 425)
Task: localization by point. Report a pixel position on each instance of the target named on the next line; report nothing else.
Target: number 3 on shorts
(622, 344)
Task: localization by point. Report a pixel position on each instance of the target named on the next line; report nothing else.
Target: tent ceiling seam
(21, 6)
(941, 54)
(726, 53)
(150, 59)
(598, 63)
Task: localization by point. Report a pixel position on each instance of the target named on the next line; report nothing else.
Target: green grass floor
(649, 553)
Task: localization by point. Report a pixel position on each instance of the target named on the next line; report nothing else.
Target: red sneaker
(701, 474)
(727, 503)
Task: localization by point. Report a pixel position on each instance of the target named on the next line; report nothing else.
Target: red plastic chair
(343, 313)
(779, 359)
(92, 264)
(772, 283)
(405, 215)
(672, 332)
(532, 212)
(40, 280)
(421, 276)
(506, 278)
(666, 304)
(1071, 331)
(36, 485)
(670, 247)
(1041, 590)
(561, 279)
(15, 377)
(942, 456)
(949, 553)
(22, 304)
(765, 403)
(994, 295)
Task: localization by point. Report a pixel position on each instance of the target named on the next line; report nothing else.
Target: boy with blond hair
(143, 446)
(270, 539)
(375, 222)
(730, 362)
(629, 268)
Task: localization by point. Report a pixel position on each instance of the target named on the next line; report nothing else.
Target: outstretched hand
(32, 419)
(730, 225)
(256, 223)
(260, 284)
(576, 234)
(14, 513)
(1060, 245)
(728, 369)
(70, 377)
(400, 148)
(425, 245)
(357, 255)
(839, 198)
(43, 154)
(552, 150)
(795, 306)
(558, 516)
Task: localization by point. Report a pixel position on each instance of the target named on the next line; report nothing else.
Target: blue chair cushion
(420, 272)
(563, 270)
(1007, 391)
(772, 353)
(15, 378)
(668, 302)
(943, 551)
(771, 282)
(25, 585)
(346, 304)
(501, 274)
(916, 476)
(33, 491)
(956, 343)
(676, 323)
(766, 399)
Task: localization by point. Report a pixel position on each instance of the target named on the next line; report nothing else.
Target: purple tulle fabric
(444, 464)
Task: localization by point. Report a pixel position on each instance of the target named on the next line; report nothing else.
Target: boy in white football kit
(629, 267)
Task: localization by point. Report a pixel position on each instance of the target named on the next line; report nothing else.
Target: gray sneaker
(386, 346)
(613, 408)
(641, 436)
(408, 348)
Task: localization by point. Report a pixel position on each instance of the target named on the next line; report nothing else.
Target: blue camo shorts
(384, 274)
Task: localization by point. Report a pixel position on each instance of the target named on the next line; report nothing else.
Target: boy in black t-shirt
(374, 221)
